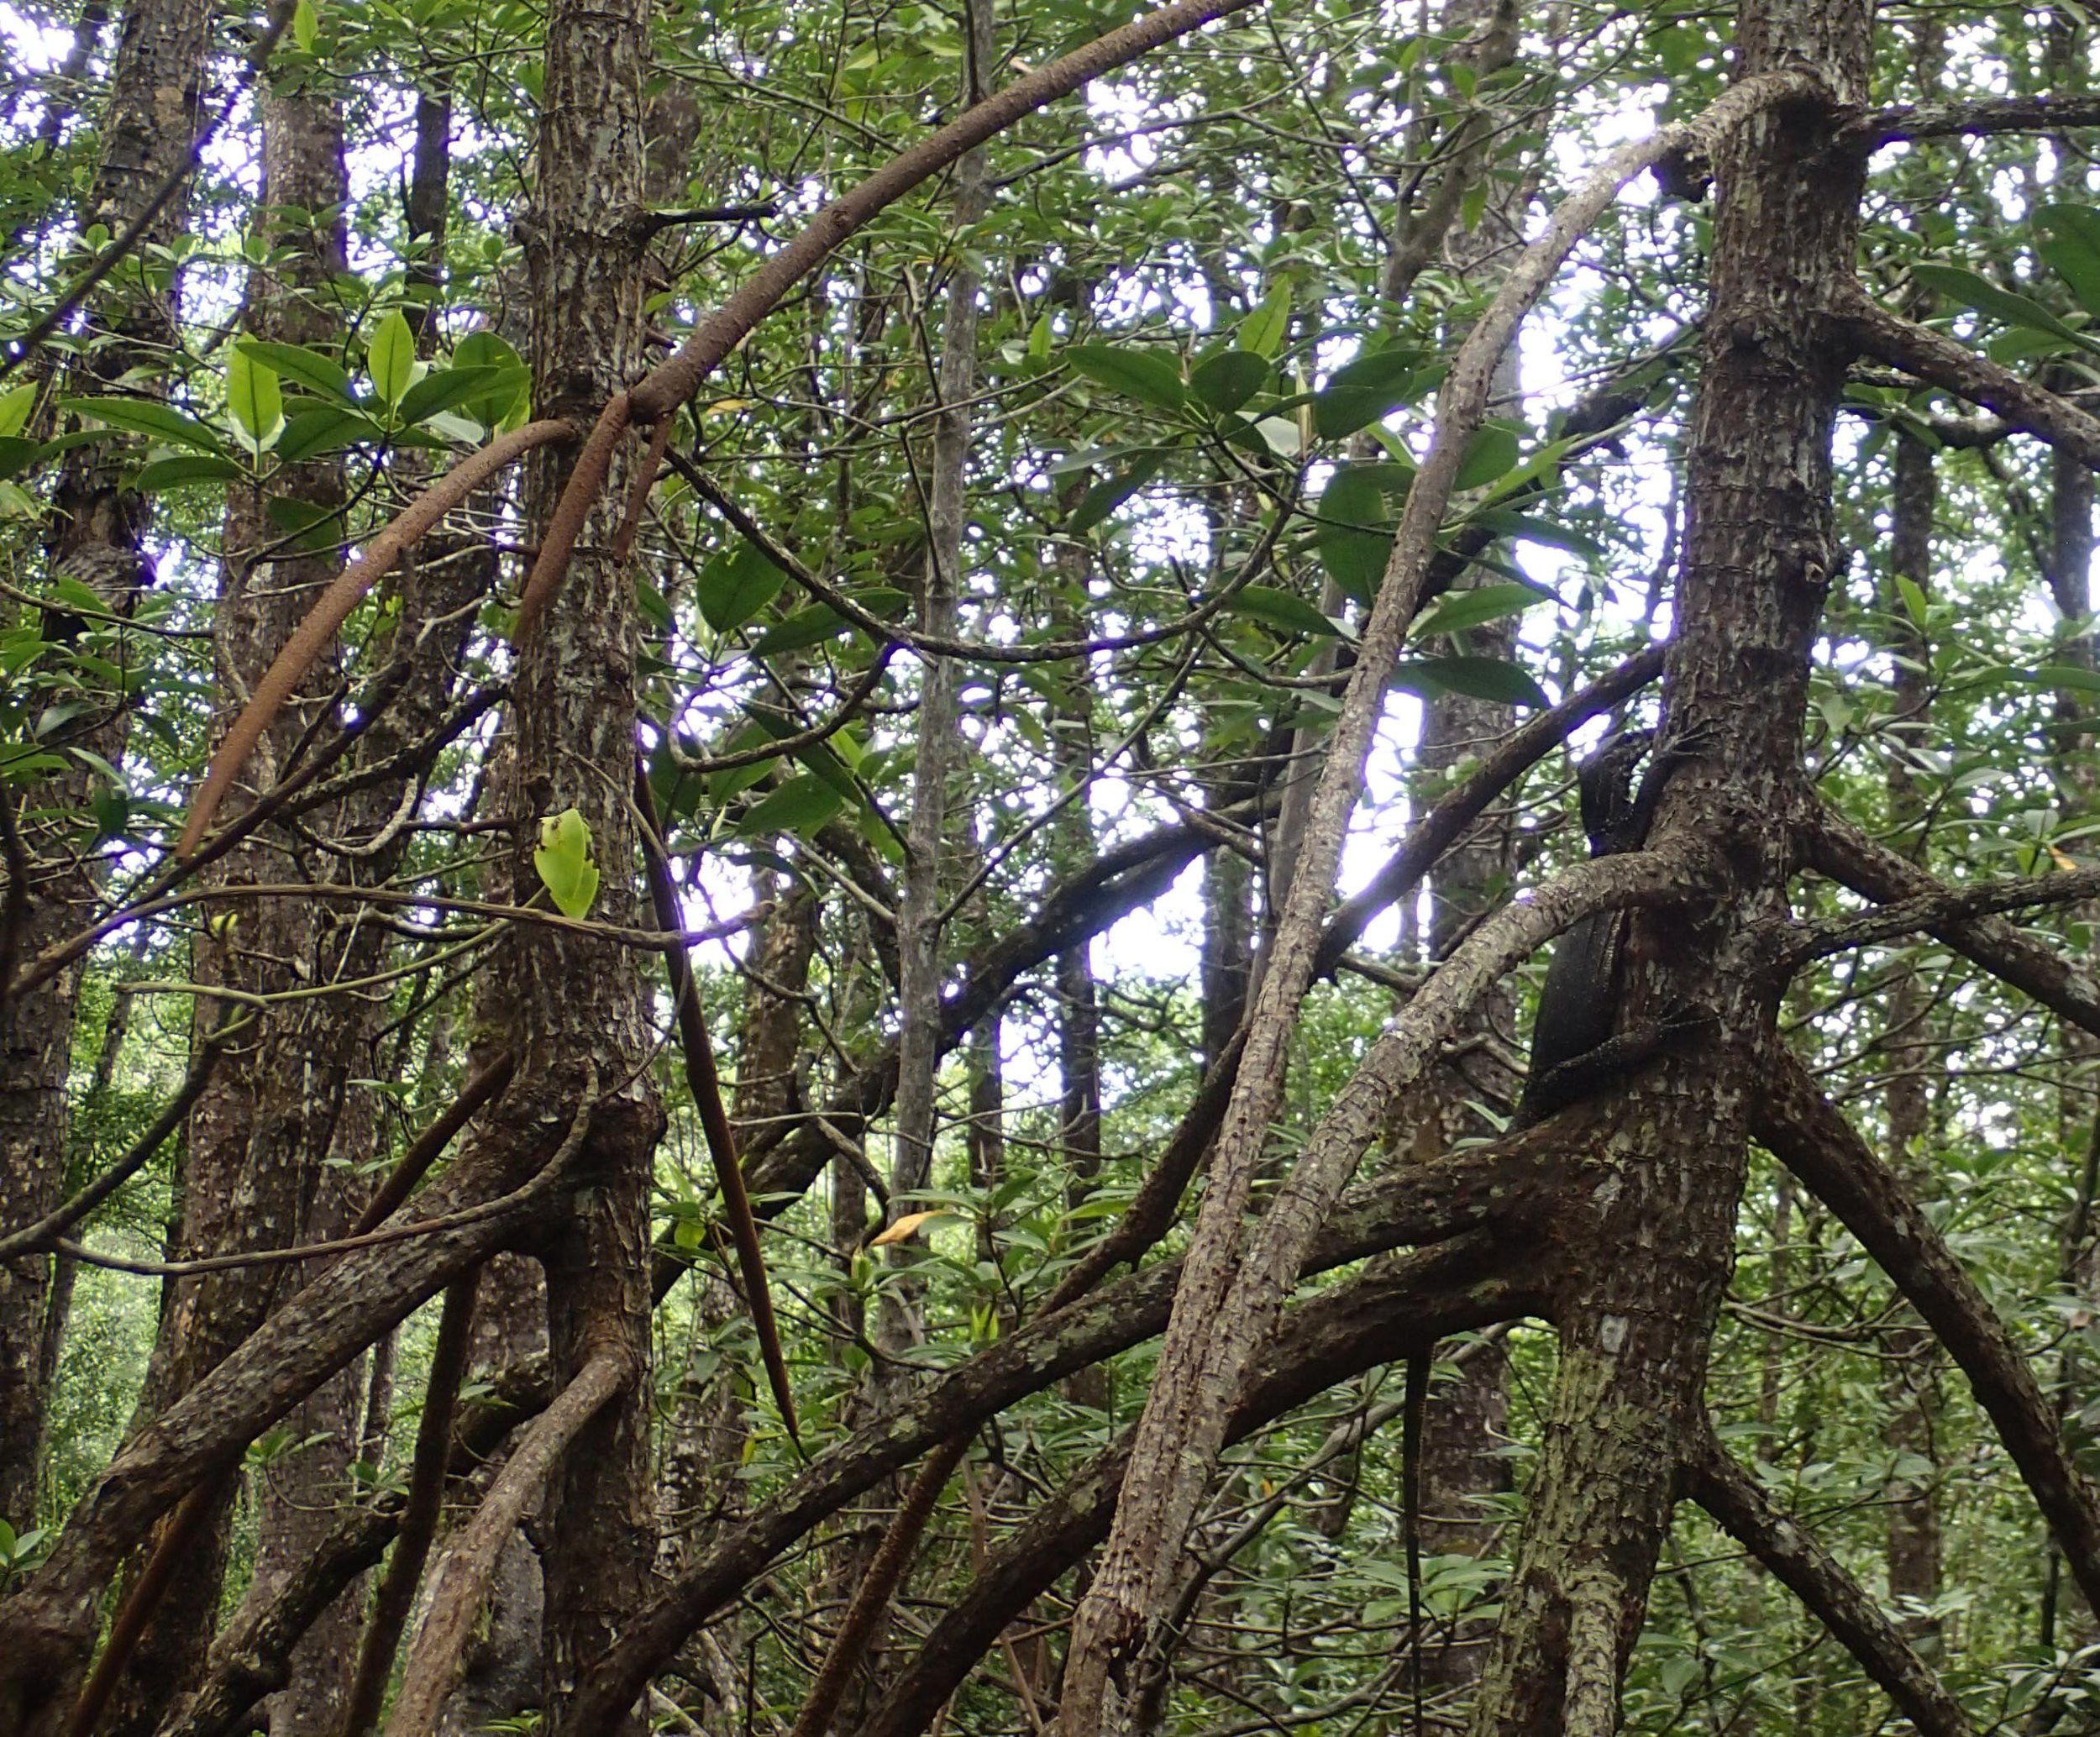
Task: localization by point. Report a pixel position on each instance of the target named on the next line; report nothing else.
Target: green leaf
(14, 409)
(1978, 292)
(391, 356)
(1144, 374)
(1488, 679)
(485, 350)
(1284, 611)
(305, 367)
(254, 398)
(311, 527)
(1457, 611)
(142, 416)
(1226, 380)
(305, 26)
(1492, 454)
(2068, 677)
(495, 387)
(1364, 390)
(2071, 250)
(183, 469)
(802, 805)
(562, 863)
(1263, 330)
(1111, 492)
(16, 454)
(325, 430)
(1355, 537)
(803, 628)
(1915, 605)
(1528, 527)
(736, 586)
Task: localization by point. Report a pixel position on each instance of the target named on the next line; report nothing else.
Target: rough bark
(155, 98)
(1635, 1324)
(258, 1132)
(578, 1001)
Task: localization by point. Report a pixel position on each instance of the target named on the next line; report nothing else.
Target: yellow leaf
(904, 1227)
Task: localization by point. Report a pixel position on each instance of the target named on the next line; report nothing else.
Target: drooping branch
(44, 1235)
(462, 1580)
(703, 1081)
(1800, 1127)
(1446, 821)
(1121, 880)
(1936, 912)
(1941, 361)
(1849, 857)
(120, 247)
(1828, 1593)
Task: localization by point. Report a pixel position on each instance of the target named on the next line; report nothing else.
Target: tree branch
(1940, 361)
(1793, 1121)
(462, 1580)
(1848, 856)
(1826, 1590)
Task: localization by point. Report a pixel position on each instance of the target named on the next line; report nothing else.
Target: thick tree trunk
(579, 1002)
(1637, 1307)
(156, 97)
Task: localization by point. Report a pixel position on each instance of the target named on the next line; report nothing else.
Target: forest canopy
(1031, 869)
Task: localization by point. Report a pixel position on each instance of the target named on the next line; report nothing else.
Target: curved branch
(1714, 1480)
(1503, 1186)
(462, 1580)
(1849, 857)
(1941, 361)
(1800, 1127)
(1381, 1318)
(311, 636)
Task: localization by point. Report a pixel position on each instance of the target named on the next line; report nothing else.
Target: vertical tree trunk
(579, 1002)
(254, 1177)
(99, 527)
(1914, 1547)
(1636, 1314)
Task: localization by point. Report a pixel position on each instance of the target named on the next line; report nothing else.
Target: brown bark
(1913, 1539)
(1635, 1323)
(578, 1001)
(260, 1129)
(156, 97)
(1230, 1295)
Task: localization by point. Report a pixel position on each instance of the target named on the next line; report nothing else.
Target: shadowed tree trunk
(254, 1179)
(155, 97)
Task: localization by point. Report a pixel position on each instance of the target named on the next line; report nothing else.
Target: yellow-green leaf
(562, 863)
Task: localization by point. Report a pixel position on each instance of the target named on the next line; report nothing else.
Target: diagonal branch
(462, 1580)
(1503, 1187)
(1714, 1480)
(675, 380)
(1938, 359)
(1848, 856)
(1800, 1127)
(1382, 1318)
(1230, 1295)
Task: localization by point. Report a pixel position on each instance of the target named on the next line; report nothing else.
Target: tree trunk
(156, 97)
(1636, 1309)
